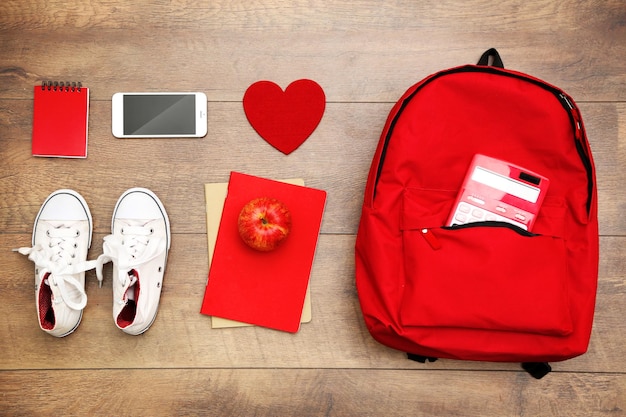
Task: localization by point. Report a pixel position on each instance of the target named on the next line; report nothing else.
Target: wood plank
(358, 51)
(335, 158)
(365, 54)
(309, 392)
(182, 338)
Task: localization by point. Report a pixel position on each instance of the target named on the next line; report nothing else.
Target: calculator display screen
(505, 184)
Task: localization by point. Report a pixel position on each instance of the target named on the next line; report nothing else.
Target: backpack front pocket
(484, 276)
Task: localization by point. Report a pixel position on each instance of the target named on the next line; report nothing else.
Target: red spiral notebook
(264, 288)
(60, 116)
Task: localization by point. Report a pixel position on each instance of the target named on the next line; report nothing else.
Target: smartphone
(159, 115)
(496, 190)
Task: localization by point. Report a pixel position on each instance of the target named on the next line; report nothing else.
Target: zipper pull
(431, 239)
(564, 99)
(575, 114)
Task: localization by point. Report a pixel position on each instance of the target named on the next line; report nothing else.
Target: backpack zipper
(581, 148)
(505, 225)
(435, 244)
(566, 102)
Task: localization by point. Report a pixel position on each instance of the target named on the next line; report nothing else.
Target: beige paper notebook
(215, 195)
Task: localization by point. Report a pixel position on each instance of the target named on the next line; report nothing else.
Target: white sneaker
(61, 239)
(138, 247)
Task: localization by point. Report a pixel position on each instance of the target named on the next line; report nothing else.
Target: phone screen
(169, 114)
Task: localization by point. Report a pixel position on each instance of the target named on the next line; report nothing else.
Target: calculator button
(461, 217)
(501, 209)
(464, 208)
(478, 214)
(520, 217)
(476, 200)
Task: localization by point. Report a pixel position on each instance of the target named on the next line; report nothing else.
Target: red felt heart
(285, 119)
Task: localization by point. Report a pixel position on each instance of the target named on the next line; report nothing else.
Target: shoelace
(58, 258)
(134, 246)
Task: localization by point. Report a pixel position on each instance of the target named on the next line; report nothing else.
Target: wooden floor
(365, 54)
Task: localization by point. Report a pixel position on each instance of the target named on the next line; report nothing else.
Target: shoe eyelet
(48, 233)
(160, 268)
(151, 231)
(75, 245)
(77, 233)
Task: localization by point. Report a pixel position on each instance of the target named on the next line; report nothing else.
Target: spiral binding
(61, 86)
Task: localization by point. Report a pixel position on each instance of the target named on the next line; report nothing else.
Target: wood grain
(313, 392)
(335, 158)
(336, 337)
(365, 54)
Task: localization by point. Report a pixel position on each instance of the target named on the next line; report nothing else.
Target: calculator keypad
(469, 213)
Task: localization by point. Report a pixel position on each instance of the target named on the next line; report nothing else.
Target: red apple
(264, 223)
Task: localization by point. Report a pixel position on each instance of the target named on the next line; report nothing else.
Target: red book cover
(264, 288)
(60, 115)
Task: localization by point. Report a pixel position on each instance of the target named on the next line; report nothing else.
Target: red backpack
(485, 290)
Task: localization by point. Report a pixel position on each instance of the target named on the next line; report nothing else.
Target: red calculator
(496, 190)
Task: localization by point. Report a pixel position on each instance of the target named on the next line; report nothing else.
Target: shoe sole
(75, 327)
